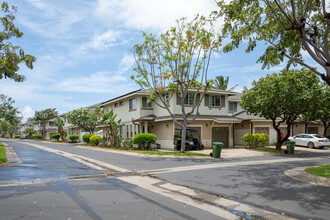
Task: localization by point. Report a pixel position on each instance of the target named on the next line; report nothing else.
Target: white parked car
(310, 140)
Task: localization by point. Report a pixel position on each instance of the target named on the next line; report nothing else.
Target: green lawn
(322, 170)
(328, 147)
(155, 152)
(269, 149)
(3, 157)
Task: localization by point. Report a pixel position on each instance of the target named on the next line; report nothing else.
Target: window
(121, 130)
(116, 105)
(51, 123)
(132, 104)
(215, 100)
(167, 98)
(231, 107)
(131, 130)
(127, 132)
(145, 103)
(134, 129)
(121, 103)
(189, 99)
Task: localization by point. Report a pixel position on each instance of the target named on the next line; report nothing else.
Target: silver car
(310, 140)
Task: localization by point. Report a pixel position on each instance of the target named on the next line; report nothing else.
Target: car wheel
(310, 145)
(187, 147)
(201, 147)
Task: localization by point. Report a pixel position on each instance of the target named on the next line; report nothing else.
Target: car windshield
(318, 136)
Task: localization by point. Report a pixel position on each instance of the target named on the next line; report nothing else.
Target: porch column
(146, 127)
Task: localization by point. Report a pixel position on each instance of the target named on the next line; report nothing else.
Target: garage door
(312, 130)
(221, 134)
(262, 130)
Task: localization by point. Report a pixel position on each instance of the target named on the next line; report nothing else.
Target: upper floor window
(132, 104)
(145, 103)
(231, 107)
(167, 98)
(51, 123)
(215, 100)
(189, 100)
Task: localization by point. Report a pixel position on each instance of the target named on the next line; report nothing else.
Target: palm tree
(221, 83)
(60, 124)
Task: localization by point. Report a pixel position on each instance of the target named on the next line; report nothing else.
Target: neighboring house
(221, 119)
(23, 126)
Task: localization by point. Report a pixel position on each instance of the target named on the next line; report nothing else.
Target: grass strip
(156, 152)
(3, 156)
(322, 170)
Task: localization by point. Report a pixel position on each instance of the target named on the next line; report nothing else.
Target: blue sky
(83, 49)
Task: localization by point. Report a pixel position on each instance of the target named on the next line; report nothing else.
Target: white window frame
(189, 100)
(132, 104)
(213, 101)
(145, 103)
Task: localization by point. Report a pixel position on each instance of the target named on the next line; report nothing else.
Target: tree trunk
(326, 126)
(183, 138)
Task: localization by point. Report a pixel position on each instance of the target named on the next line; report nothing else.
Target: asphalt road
(49, 186)
(259, 185)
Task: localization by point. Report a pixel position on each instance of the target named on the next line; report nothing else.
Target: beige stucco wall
(240, 130)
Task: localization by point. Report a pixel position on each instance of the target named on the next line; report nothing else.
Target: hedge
(56, 137)
(254, 140)
(16, 136)
(95, 139)
(73, 138)
(86, 138)
(37, 136)
(144, 140)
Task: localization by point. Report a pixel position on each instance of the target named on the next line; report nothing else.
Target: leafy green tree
(321, 109)
(11, 56)
(29, 131)
(60, 127)
(9, 113)
(176, 64)
(84, 118)
(289, 27)
(282, 97)
(4, 128)
(221, 83)
(42, 117)
(112, 127)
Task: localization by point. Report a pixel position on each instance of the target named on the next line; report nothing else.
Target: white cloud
(27, 112)
(157, 15)
(100, 82)
(126, 63)
(103, 41)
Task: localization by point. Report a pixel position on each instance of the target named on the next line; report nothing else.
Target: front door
(221, 134)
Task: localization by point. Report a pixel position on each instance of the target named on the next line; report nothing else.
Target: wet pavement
(38, 165)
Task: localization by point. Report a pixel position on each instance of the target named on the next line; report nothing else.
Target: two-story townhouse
(23, 126)
(215, 122)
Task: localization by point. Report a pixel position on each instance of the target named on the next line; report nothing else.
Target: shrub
(263, 139)
(37, 136)
(144, 140)
(73, 138)
(16, 136)
(254, 140)
(95, 139)
(56, 137)
(86, 138)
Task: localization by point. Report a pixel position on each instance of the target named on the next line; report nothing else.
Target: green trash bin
(290, 146)
(216, 149)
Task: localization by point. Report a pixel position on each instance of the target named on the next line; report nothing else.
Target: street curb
(12, 158)
(300, 174)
